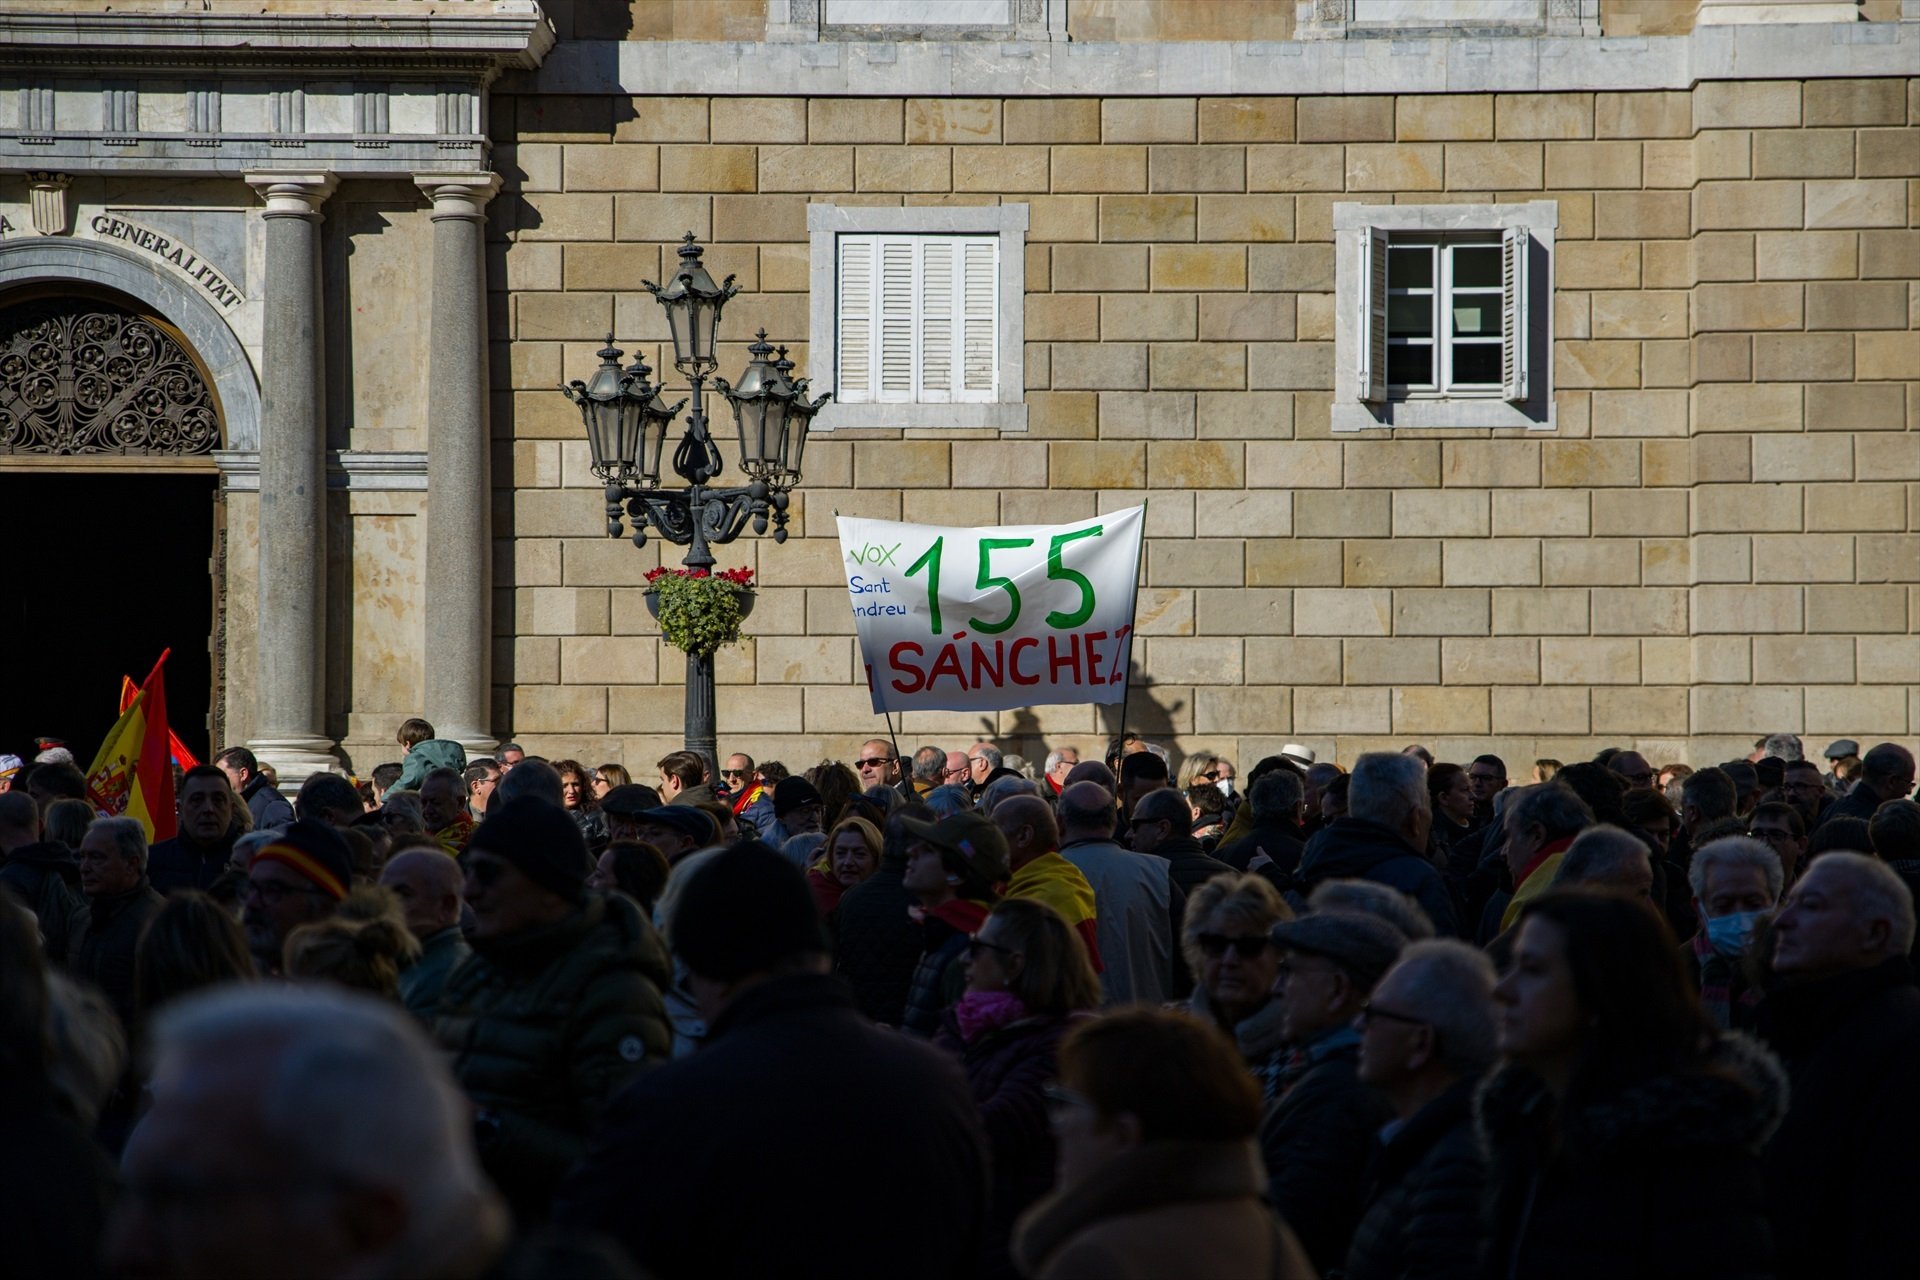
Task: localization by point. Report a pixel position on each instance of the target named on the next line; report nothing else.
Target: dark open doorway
(108, 571)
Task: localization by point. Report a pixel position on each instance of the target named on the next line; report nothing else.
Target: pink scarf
(979, 1012)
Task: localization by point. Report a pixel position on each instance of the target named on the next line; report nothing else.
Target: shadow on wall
(1146, 715)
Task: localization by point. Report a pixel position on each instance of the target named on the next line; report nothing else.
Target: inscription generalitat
(203, 274)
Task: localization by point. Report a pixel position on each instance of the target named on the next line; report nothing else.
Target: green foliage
(698, 614)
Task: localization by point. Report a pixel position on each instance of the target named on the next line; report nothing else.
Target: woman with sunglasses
(1622, 1132)
(1229, 947)
(1028, 981)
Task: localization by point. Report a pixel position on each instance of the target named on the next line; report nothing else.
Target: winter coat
(802, 1141)
(545, 1027)
(876, 944)
(45, 877)
(937, 978)
(1190, 865)
(1842, 1179)
(56, 1188)
(1355, 849)
(1421, 1215)
(1657, 1180)
(698, 793)
(1007, 1068)
(268, 807)
(1861, 802)
(180, 863)
(1283, 841)
(1163, 1211)
(1138, 912)
(434, 753)
(103, 955)
(424, 981)
(1317, 1140)
(593, 829)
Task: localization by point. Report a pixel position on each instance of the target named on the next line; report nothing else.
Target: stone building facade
(1691, 521)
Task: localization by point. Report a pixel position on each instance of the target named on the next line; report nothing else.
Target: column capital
(296, 194)
(458, 195)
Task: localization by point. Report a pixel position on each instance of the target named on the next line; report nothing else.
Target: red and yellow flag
(132, 776)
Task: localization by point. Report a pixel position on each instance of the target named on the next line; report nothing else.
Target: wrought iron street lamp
(626, 423)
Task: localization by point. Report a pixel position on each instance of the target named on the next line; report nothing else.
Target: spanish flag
(132, 776)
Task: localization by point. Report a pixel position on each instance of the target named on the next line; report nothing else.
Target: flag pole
(1133, 618)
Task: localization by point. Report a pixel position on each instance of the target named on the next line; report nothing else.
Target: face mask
(1225, 785)
(1731, 935)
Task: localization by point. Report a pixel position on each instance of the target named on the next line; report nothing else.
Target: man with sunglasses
(1321, 1133)
(1427, 1036)
(877, 765)
(751, 798)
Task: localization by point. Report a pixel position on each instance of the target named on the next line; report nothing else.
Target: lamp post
(626, 423)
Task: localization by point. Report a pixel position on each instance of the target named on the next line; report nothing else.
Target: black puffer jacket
(1354, 849)
(103, 955)
(1317, 1141)
(1190, 865)
(544, 1028)
(1422, 1216)
(1842, 1173)
(46, 879)
(876, 944)
(1659, 1180)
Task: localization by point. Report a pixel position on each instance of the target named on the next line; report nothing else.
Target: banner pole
(894, 739)
(1133, 619)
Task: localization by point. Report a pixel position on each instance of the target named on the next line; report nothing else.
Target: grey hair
(1005, 788)
(1387, 787)
(1599, 854)
(1155, 749)
(251, 843)
(1784, 746)
(991, 754)
(1276, 795)
(128, 836)
(945, 801)
(1245, 899)
(531, 778)
(351, 1087)
(929, 764)
(1368, 897)
(800, 849)
(1053, 760)
(1736, 851)
(1553, 807)
(1877, 893)
(887, 798)
(1451, 985)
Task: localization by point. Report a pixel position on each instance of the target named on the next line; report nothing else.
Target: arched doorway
(108, 423)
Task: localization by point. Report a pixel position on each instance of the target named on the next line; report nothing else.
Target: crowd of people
(957, 1015)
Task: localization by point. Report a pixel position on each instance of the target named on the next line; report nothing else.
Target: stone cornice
(496, 35)
(1460, 65)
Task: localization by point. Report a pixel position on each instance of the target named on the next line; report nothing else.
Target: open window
(1445, 315)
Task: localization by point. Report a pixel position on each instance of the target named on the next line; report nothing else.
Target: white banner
(988, 619)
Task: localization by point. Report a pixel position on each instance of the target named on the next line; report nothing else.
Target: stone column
(289, 722)
(459, 626)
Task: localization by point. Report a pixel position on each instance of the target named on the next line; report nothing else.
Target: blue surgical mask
(1732, 935)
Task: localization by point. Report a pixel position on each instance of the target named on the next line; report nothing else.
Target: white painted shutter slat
(899, 305)
(980, 318)
(1514, 242)
(1372, 338)
(854, 381)
(937, 327)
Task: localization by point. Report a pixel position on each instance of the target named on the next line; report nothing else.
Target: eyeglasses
(874, 762)
(961, 772)
(734, 773)
(1370, 1011)
(1215, 945)
(1769, 834)
(1484, 777)
(976, 944)
(272, 893)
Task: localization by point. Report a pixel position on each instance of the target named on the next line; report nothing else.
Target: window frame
(1364, 235)
(1006, 409)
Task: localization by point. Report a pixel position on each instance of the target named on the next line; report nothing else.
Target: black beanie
(792, 792)
(745, 910)
(541, 841)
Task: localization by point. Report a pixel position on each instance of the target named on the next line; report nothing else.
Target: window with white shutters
(917, 316)
(917, 319)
